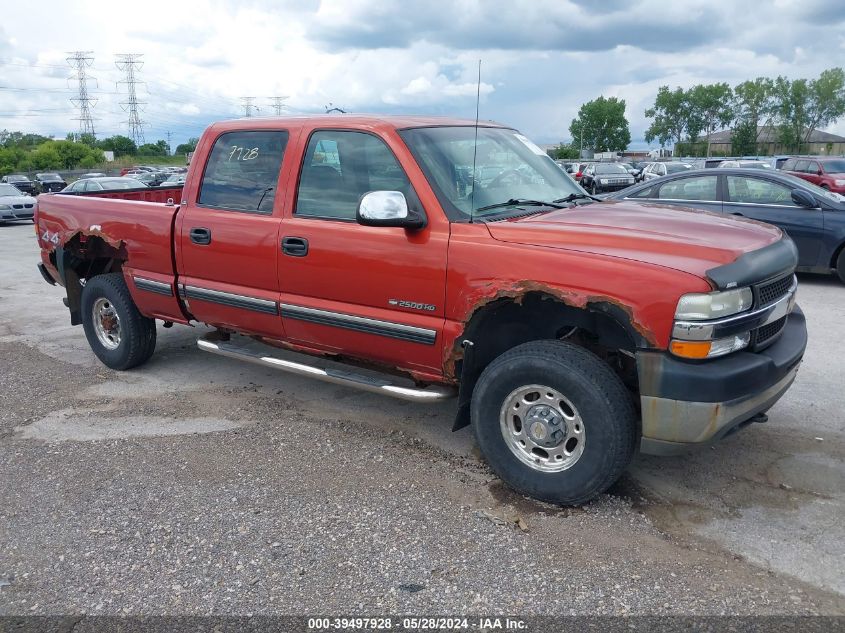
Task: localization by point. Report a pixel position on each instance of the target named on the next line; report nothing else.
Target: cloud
(541, 58)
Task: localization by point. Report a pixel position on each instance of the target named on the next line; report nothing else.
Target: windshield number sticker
(243, 153)
(530, 145)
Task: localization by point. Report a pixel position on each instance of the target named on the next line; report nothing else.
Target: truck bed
(148, 194)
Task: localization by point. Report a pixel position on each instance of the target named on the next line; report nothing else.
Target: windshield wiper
(572, 197)
(517, 201)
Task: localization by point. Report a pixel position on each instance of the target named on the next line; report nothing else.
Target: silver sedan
(15, 205)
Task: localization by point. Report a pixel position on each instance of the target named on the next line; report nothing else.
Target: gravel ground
(198, 485)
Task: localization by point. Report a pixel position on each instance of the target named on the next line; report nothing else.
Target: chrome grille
(771, 291)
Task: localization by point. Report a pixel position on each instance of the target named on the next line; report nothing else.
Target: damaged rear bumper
(686, 404)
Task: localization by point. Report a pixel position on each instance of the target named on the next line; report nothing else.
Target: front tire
(840, 266)
(594, 190)
(119, 335)
(553, 421)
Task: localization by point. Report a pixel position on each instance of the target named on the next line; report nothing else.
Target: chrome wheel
(106, 323)
(542, 428)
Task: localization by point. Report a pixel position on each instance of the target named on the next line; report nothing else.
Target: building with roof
(768, 143)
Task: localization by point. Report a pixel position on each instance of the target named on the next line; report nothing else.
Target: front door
(769, 201)
(229, 234)
(371, 292)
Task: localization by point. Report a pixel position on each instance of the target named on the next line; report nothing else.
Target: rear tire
(119, 335)
(544, 392)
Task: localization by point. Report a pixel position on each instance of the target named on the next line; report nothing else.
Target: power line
(129, 63)
(278, 104)
(80, 60)
(246, 104)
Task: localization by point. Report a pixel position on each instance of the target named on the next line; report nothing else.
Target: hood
(684, 239)
(16, 200)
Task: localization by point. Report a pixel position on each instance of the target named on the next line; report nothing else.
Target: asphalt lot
(200, 485)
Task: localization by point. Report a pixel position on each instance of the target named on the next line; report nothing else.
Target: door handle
(200, 235)
(295, 246)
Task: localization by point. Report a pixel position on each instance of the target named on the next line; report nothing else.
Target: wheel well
(506, 323)
(602, 327)
(81, 258)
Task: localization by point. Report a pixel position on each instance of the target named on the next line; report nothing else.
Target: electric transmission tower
(79, 61)
(130, 63)
(278, 104)
(247, 105)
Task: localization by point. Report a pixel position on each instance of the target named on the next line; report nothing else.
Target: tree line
(26, 152)
(794, 109)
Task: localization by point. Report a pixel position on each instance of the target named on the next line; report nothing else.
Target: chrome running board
(432, 393)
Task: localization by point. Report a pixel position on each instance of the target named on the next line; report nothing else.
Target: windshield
(610, 169)
(16, 178)
(755, 165)
(673, 168)
(9, 190)
(49, 176)
(507, 167)
(834, 166)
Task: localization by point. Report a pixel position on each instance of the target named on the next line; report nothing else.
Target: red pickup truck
(459, 261)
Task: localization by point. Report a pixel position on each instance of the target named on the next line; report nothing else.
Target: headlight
(713, 305)
(603, 181)
(5, 206)
(710, 349)
(839, 183)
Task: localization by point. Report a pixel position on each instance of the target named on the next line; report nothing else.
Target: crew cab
(569, 332)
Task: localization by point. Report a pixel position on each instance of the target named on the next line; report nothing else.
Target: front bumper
(686, 404)
(10, 215)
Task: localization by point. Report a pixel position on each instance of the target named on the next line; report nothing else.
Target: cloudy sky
(541, 58)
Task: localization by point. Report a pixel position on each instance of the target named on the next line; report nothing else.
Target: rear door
(369, 292)
(229, 233)
(770, 201)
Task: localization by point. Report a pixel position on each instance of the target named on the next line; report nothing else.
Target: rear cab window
(242, 172)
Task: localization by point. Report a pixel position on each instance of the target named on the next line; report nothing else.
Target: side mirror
(387, 208)
(819, 173)
(804, 199)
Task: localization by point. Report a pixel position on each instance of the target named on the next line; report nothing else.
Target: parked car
(149, 178)
(778, 161)
(21, 183)
(93, 174)
(679, 327)
(745, 164)
(604, 177)
(827, 173)
(14, 204)
(135, 168)
(47, 183)
(710, 163)
(174, 180)
(813, 217)
(656, 170)
(107, 183)
(641, 165)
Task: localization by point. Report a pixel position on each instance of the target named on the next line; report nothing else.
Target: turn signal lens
(690, 349)
(710, 349)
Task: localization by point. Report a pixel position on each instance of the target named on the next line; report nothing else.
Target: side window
(801, 165)
(789, 164)
(812, 167)
(756, 191)
(697, 188)
(645, 193)
(341, 166)
(243, 171)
